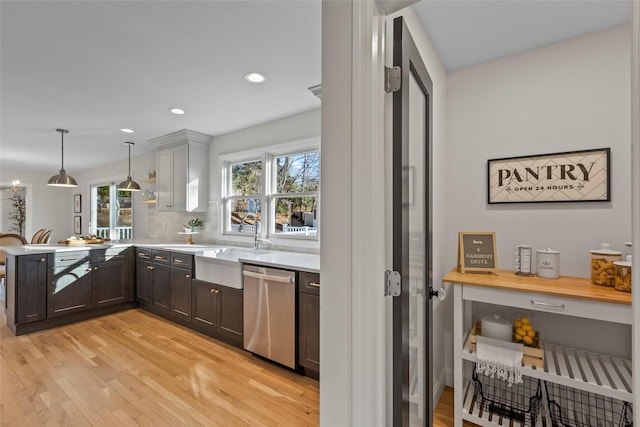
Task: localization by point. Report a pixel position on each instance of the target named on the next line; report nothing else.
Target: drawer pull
(314, 284)
(547, 305)
(43, 260)
(150, 267)
(68, 259)
(215, 291)
(143, 255)
(187, 276)
(178, 261)
(160, 258)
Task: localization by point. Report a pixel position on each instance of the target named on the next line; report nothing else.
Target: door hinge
(392, 79)
(392, 283)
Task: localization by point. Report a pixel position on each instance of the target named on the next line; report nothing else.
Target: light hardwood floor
(133, 368)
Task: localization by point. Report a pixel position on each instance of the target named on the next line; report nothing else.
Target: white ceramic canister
(496, 327)
(548, 263)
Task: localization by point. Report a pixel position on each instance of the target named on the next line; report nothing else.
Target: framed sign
(77, 206)
(77, 224)
(575, 176)
(477, 252)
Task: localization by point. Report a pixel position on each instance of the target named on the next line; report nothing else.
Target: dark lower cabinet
(144, 282)
(217, 311)
(181, 294)
(26, 289)
(69, 284)
(309, 323)
(161, 284)
(54, 289)
(112, 283)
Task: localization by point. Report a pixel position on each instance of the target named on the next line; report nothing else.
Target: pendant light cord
(62, 150)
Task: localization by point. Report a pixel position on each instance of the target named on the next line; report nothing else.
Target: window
(273, 193)
(111, 212)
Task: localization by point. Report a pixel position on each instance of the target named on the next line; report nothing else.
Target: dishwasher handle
(269, 277)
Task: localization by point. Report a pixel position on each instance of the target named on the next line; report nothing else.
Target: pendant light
(62, 179)
(129, 184)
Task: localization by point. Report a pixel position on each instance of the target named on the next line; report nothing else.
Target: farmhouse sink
(222, 265)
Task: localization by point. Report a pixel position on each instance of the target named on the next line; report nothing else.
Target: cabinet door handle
(95, 268)
(547, 305)
(314, 284)
(150, 267)
(187, 276)
(215, 291)
(43, 260)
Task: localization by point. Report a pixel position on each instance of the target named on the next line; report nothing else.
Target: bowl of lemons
(524, 332)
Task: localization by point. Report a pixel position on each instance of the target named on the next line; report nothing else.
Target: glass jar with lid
(622, 281)
(602, 268)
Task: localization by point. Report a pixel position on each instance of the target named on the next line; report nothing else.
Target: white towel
(499, 358)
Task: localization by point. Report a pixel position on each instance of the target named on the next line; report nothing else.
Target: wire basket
(570, 407)
(519, 402)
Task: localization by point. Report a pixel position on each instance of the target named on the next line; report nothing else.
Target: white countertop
(266, 257)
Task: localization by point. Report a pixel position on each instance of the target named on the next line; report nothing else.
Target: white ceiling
(94, 67)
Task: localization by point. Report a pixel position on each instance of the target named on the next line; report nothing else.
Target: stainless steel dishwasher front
(270, 313)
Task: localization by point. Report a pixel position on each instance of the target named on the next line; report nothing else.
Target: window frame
(268, 155)
(113, 218)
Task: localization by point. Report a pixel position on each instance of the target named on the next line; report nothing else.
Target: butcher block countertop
(570, 287)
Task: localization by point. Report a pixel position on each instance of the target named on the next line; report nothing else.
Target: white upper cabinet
(182, 171)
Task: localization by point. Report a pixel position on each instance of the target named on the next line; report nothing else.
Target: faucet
(256, 239)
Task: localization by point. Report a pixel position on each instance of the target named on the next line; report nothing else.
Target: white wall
(567, 96)
(49, 207)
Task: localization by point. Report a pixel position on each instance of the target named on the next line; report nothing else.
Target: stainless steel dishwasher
(270, 313)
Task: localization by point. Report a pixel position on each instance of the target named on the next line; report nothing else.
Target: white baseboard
(449, 376)
(438, 387)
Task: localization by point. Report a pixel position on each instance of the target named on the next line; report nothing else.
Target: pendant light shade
(62, 179)
(129, 184)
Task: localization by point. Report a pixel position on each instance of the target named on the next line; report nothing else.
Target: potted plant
(193, 224)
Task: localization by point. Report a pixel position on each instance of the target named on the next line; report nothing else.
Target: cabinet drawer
(143, 253)
(61, 259)
(161, 257)
(610, 312)
(181, 260)
(309, 283)
(110, 254)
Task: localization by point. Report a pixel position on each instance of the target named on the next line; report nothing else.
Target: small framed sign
(77, 205)
(477, 252)
(77, 224)
(575, 176)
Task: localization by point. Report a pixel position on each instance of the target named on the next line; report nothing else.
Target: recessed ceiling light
(126, 130)
(254, 77)
(176, 111)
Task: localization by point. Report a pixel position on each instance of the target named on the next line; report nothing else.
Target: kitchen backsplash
(167, 225)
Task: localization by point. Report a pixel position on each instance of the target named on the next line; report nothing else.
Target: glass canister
(602, 268)
(623, 275)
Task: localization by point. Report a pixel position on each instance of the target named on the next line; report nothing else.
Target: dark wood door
(69, 289)
(309, 332)
(111, 284)
(230, 312)
(144, 281)
(31, 289)
(181, 294)
(204, 307)
(161, 302)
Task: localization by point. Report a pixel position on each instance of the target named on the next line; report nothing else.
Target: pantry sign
(576, 176)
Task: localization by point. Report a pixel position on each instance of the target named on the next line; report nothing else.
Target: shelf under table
(593, 372)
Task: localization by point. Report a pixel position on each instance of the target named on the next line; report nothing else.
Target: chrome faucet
(256, 239)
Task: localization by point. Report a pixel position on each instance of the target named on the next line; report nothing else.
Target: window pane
(123, 215)
(296, 216)
(298, 173)
(103, 213)
(244, 215)
(246, 178)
